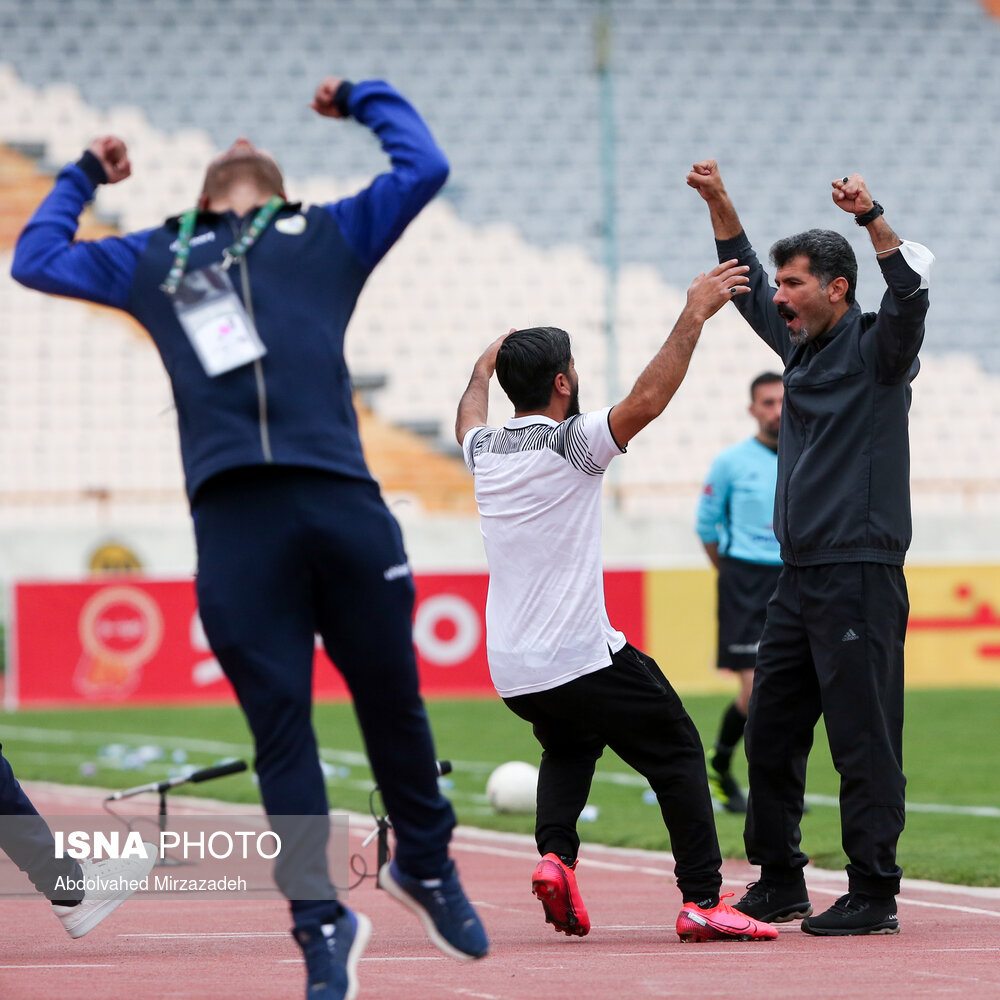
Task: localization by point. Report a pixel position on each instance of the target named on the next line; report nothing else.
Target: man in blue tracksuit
(735, 524)
(247, 299)
(833, 640)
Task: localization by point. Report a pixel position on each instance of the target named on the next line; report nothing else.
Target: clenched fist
(322, 102)
(111, 151)
(852, 195)
(705, 178)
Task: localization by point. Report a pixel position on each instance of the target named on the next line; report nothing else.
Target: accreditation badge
(212, 315)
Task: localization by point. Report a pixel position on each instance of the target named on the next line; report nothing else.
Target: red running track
(949, 944)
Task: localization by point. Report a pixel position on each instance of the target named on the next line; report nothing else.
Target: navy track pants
(284, 554)
(27, 840)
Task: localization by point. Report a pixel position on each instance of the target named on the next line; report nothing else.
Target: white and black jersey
(538, 487)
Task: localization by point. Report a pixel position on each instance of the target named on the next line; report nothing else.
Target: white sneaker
(116, 878)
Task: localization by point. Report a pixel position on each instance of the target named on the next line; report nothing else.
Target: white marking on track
(637, 927)
(59, 965)
(386, 958)
(961, 949)
(532, 855)
(906, 901)
(206, 934)
(952, 976)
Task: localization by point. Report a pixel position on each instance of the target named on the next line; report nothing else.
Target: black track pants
(630, 707)
(832, 645)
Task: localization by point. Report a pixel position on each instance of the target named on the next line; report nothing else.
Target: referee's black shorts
(744, 590)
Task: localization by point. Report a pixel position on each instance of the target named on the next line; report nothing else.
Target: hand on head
(488, 359)
(710, 292)
(851, 194)
(111, 151)
(322, 102)
(705, 178)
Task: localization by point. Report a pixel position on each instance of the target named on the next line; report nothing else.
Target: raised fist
(851, 194)
(111, 151)
(705, 178)
(322, 102)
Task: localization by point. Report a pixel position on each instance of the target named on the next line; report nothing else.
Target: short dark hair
(764, 378)
(830, 256)
(528, 362)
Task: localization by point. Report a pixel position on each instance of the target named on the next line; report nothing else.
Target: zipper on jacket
(258, 368)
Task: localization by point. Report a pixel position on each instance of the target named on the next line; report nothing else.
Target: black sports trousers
(630, 707)
(832, 645)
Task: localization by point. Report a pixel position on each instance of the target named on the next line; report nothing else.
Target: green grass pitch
(951, 757)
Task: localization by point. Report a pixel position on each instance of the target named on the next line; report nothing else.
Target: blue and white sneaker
(447, 915)
(332, 952)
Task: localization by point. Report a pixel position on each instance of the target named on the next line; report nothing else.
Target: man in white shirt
(554, 656)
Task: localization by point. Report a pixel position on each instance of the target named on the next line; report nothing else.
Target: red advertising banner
(135, 640)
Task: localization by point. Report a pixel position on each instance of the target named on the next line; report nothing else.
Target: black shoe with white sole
(855, 913)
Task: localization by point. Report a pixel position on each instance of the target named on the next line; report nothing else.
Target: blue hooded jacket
(299, 282)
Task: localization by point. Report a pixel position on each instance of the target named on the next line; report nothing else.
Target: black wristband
(343, 97)
(93, 168)
(871, 215)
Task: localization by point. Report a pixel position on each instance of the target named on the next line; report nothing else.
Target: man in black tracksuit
(833, 642)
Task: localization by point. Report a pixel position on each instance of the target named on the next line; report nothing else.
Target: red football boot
(721, 923)
(555, 885)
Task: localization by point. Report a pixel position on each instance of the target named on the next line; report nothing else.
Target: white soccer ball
(511, 787)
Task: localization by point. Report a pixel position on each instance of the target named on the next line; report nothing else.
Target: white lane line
(637, 927)
(393, 958)
(961, 949)
(951, 976)
(532, 855)
(906, 901)
(207, 934)
(671, 951)
(59, 965)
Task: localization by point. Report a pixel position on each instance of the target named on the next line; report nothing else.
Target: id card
(213, 317)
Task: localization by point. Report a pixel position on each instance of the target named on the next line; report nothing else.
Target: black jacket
(843, 492)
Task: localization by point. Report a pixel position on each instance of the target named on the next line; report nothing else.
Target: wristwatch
(871, 215)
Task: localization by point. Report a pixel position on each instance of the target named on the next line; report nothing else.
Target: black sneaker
(856, 913)
(775, 902)
(726, 792)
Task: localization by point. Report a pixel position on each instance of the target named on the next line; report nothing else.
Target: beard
(802, 337)
(574, 402)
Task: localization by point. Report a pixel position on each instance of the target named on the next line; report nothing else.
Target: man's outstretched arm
(899, 329)
(661, 378)
(757, 308)
(705, 178)
(372, 220)
(48, 258)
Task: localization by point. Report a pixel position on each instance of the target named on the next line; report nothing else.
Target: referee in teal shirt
(735, 524)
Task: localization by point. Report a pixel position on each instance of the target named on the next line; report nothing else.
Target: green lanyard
(230, 255)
